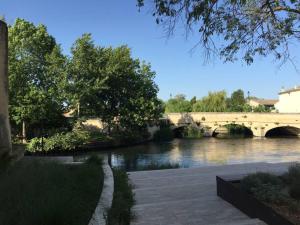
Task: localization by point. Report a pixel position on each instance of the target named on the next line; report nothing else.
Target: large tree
(108, 83)
(35, 73)
(86, 76)
(130, 98)
(247, 27)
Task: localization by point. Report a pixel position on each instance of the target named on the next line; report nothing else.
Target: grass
(120, 212)
(35, 192)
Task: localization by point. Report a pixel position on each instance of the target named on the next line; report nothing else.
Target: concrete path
(188, 196)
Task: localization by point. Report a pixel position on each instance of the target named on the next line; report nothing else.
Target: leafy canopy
(247, 27)
(178, 104)
(36, 70)
(108, 83)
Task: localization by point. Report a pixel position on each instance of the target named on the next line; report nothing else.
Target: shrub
(264, 186)
(293, 173)
(35, 144)
(269, 193)
(193, 132)
(293, 179)
(164, 134)
(61, 141)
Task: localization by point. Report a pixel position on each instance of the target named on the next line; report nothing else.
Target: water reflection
(208, 152)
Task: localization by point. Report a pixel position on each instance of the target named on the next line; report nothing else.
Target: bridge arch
(232, 129)
(283, 131)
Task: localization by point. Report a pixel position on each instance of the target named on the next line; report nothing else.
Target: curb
(106, 197)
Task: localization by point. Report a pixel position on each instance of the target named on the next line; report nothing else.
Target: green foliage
(110, 84)
(253, 181)
(235, 129)
(120, 212)
(264, 186)
(237, 102)
(46, 192)
(192, 132)
(240, 24)
(163, 134)
(178, 104)
(293, 173)
(36, 74)
(261, 108)
(86, 76)
(60, 141)
(214, 102)
(293, 178)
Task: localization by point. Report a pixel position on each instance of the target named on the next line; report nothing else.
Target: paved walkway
(188, 196)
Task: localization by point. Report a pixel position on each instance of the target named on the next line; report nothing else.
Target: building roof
(295, 89)
(265, 101)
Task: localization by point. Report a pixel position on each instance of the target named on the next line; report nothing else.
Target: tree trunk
(24, 132)
(78, 109)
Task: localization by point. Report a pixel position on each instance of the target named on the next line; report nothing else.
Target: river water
(206, 152)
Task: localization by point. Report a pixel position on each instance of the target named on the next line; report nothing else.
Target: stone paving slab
(188, 196)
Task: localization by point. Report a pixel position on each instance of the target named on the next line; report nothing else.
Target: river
(206, 152)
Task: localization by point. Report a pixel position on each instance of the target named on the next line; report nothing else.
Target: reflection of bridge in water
(261, 124)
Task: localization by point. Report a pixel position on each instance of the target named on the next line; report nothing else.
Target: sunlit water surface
(207, 152)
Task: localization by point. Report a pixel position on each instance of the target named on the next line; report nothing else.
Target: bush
(235, 129)
(163, 134)
(293, 179)
(61, 141)
(192, 132)
(258, 179)
(264, 186)
(293, 173)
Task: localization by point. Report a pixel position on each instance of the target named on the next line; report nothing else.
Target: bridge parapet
(258, 123)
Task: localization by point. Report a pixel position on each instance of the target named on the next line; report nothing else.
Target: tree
(193, 100)
(108, 83)
(237, 101)
(247, 27)
(130, 99)
(35, 71)
(86, 76)
(178, 104)
(214, 102)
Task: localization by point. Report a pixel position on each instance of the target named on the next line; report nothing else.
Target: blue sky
(118, 22)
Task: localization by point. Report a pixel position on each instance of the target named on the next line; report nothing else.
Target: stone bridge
(259, 123)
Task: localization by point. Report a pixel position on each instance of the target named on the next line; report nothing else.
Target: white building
(289, 101)
(268, 103)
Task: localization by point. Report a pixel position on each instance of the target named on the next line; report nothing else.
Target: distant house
(268, 103)
(289, 100)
